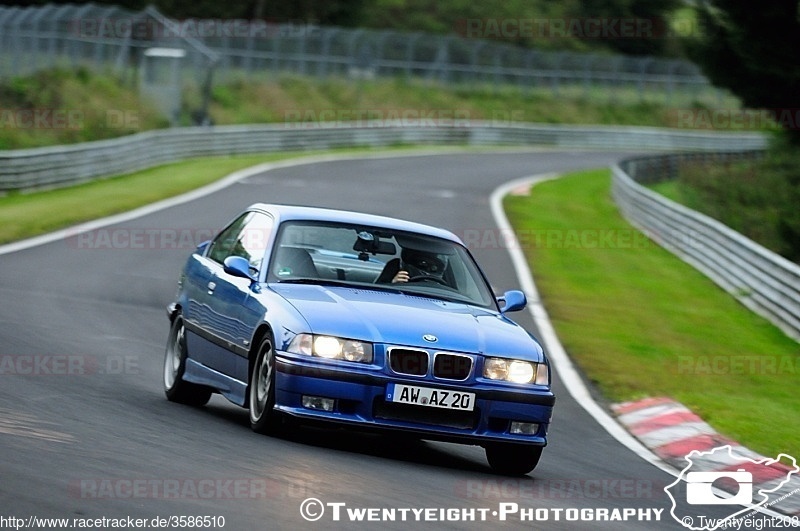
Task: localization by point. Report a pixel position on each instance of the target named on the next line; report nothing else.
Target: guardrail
(760, 279)
(68, 164)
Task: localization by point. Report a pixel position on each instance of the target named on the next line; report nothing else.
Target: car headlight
(516, 371)
(332, 348)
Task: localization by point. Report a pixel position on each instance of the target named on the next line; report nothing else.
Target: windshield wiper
(320, 281)
(428, 295)
(381, 287)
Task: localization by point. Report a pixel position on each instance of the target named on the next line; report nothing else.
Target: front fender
(278, 314)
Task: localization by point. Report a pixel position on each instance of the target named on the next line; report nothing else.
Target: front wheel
(263, 417)
(513, 459)
(175, 387)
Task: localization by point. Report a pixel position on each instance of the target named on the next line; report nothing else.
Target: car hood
(395, 318)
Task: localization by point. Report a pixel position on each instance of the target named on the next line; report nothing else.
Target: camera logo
(737, 483)
(699, 488)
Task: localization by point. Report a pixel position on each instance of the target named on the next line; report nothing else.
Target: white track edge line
(555, 350)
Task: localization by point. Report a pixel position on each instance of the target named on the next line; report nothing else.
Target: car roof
(306, 213)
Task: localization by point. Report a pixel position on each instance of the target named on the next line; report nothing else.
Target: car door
(228, 318)
(202, 316)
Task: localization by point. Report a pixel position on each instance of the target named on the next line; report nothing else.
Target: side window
(247, 237)
(221, 246)
(252, 240)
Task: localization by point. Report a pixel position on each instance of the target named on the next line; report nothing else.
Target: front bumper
(360, 402)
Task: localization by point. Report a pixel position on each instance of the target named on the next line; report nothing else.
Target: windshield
(325, 252)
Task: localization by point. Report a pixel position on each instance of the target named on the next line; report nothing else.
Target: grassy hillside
(757, 198)
(82, 105)
(65, 106)
(292, 98)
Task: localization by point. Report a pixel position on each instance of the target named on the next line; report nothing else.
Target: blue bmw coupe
(360, 321)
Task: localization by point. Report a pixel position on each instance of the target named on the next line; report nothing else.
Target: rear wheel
(513, 459)
(263, 417)
(176, 389)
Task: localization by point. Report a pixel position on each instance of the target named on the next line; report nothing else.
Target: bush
(757, 198)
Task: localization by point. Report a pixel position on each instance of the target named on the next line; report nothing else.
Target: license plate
(427, 396)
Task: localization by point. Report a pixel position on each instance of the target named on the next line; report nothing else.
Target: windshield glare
(409, 262)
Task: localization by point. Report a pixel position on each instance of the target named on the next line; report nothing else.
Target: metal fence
(760, 279)
(32, 38)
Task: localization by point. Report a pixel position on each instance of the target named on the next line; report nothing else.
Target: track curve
(85, 430)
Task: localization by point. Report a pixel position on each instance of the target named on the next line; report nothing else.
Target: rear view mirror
(512, 301)
(371, 244)
(238, 267)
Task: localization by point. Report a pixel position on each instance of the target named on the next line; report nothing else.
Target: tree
(322, 12)
(647, 23)
(752, 49)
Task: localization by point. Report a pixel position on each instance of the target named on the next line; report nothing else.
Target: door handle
(211, 287)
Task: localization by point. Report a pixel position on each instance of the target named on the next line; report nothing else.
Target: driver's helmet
(422, 263)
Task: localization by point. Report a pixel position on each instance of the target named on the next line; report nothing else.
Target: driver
(415, 264)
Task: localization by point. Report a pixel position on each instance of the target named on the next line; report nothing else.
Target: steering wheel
(425, 277)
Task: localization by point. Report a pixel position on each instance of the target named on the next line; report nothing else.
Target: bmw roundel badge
(430, 338)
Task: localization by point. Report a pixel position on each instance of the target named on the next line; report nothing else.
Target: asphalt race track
(86, 432)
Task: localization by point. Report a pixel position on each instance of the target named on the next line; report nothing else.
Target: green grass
(640, 322)
(669, 189)
(23, 215)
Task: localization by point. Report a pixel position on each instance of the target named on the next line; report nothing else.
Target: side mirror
(512, 301)
(238, 267)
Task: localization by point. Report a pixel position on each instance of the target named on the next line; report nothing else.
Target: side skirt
(230, 388)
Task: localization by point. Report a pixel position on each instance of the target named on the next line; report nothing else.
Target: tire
(261, 391)
(175, 387)
(513, 459)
